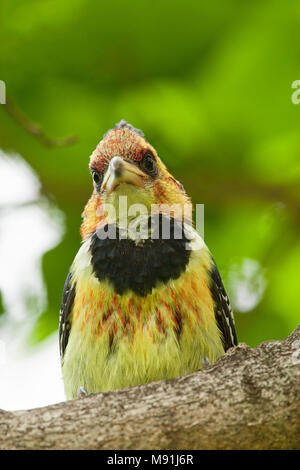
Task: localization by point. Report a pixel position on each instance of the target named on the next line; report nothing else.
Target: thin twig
(34, 129)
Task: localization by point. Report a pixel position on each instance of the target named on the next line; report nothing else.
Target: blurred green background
(209, 83)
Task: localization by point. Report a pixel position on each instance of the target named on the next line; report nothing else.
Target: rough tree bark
(249, 399)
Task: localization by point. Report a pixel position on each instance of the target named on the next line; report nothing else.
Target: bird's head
(125, 164)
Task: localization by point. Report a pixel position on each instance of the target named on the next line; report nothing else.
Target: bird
(143, 300)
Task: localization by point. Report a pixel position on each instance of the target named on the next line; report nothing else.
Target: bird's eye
(148, 164)
(96, 176)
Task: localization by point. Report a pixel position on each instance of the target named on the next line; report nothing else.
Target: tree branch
(34, 129)
(248, 399)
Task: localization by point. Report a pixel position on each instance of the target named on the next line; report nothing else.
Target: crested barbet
(143, 300)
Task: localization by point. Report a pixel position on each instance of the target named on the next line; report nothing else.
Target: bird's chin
(130, 198)
(127, 189)
(124, 187)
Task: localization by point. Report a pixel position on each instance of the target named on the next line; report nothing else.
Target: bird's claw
(82, 393)
(205, 362)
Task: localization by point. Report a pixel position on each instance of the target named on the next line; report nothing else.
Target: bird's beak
(120, 171)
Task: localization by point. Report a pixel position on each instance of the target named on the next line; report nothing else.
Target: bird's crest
(123, 123)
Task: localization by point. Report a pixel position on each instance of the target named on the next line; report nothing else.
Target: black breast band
(139, 267)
